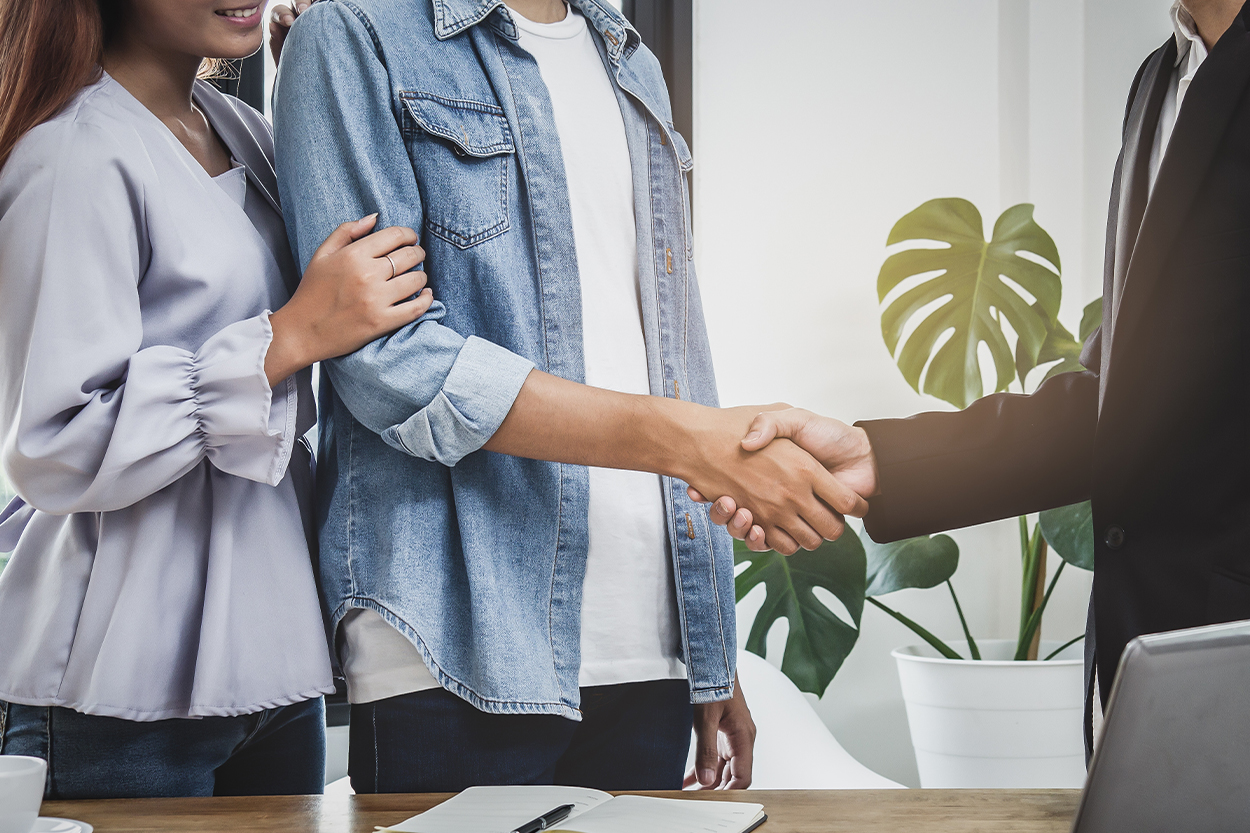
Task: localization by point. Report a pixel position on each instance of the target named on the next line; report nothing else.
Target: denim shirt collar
(451, 17)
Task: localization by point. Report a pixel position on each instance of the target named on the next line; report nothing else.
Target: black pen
(547, 819)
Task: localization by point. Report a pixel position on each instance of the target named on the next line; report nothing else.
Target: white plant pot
(995, 722)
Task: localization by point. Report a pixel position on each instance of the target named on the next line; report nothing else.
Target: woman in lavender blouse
(160, 632)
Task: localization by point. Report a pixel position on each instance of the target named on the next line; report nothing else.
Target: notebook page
(498, 809)
(634, 813)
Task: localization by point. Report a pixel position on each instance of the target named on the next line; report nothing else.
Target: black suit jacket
(1157, 431)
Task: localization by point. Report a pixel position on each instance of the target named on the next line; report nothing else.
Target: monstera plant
(946, 291)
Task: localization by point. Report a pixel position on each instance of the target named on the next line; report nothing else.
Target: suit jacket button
(1114, 538)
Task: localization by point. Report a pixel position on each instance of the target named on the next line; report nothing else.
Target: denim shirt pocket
(461, 152)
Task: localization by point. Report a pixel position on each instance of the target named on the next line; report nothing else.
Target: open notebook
(503, 809)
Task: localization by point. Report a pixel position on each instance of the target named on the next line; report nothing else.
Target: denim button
(1114, 538)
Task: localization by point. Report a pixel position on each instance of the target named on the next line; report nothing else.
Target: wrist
(699, 437)
(673, 435)
(868, 458)
(286, 354)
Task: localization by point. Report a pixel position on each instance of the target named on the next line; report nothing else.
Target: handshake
(799, 475)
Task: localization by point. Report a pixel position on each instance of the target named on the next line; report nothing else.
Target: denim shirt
(430, 113)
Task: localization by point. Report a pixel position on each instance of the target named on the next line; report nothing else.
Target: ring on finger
(394, 271)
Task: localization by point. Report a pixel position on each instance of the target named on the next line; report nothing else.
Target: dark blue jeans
(634, 736)
(274, 752)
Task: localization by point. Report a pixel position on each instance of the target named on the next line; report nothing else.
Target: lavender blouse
(160, 566)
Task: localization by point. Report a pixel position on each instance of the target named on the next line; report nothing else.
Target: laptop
(1175, 748)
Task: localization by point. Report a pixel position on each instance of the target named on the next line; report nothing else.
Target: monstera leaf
(967, 280)
(914, 562)
(1061, 346)
(819, 640)
(1070, 532)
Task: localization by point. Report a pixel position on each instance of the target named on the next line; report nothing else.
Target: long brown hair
(49, 50)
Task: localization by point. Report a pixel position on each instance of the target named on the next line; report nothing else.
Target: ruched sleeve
(92, 417)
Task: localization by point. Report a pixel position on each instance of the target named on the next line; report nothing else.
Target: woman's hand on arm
(356, 288)
(796, 501)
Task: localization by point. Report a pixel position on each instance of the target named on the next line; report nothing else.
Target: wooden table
(797, 811)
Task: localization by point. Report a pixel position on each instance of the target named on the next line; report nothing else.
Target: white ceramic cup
(21, 792)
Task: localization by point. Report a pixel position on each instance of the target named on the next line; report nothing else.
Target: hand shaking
(842, 449)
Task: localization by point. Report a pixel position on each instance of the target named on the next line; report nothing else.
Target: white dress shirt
(1191, 51)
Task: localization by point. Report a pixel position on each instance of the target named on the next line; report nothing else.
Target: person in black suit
(1156, 431)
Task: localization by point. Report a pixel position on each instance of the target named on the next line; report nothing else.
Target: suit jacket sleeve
(1004, 455)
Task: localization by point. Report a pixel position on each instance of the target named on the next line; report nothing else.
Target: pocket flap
(475, 128)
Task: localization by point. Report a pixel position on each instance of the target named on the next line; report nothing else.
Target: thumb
(345, 234)
(770, 425)
(706, 755)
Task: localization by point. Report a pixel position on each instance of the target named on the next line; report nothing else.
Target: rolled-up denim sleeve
(426, 389)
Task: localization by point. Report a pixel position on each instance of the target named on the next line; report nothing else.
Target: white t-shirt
(629, 603)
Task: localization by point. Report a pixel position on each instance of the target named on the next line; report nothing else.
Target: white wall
(818, 123)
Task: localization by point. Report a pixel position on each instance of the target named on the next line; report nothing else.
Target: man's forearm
(566, 422)
(796, 501)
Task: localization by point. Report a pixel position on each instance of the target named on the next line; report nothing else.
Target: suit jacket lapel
(1131, 189)
(1135, 169)
(1212, 99)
